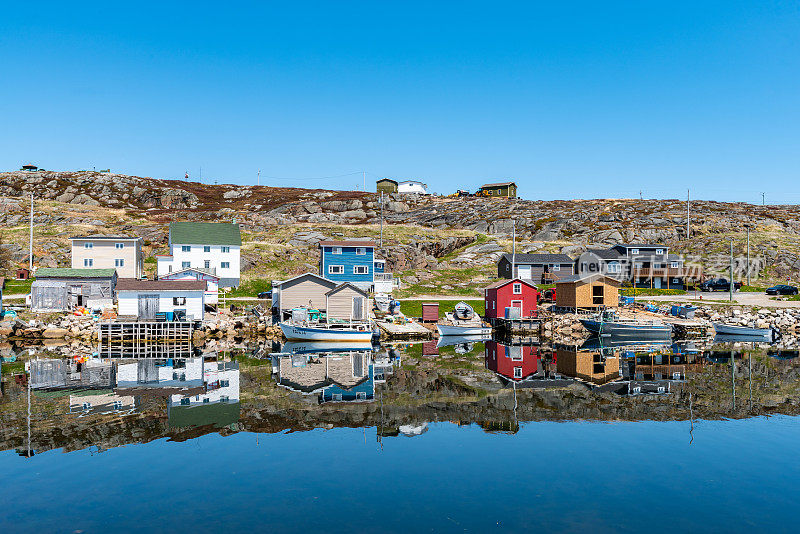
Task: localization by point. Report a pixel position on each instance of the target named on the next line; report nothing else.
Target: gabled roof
(501, 184)
(205, 233)
(501, 283)
(109, 237)
(132, 284)
(585, 278)
(345, 243)
(539, 258)
(606, 254)
(386, 180)
(320, 279)
(206, 272)
(64, 272)
(640, 245)
(343, 286)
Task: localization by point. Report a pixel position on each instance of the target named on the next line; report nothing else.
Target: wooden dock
(410, 330)
(517, 327)
(145, 339)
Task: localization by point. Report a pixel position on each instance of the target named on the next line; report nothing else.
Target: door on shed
(148, 306)
(358, 308)
(524, 272)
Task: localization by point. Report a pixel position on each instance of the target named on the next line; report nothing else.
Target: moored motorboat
(464, 330)
(321, 332)
(607, 323)
(767, 334)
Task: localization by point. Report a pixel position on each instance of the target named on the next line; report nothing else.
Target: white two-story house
(212, 247)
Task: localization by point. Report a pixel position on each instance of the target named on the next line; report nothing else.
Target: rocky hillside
(430, 239)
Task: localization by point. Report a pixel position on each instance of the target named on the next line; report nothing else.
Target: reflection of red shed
(515, 362)
(516, 293)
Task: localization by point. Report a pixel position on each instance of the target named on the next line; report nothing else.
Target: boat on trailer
(361, 332)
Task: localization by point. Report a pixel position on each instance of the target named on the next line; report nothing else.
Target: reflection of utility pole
(730, 282)
(748, 254)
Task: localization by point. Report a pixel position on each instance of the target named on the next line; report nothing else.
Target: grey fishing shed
(63, 289)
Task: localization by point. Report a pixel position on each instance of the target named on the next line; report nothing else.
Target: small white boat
(464, 330)
(356, 332)
(768, 334)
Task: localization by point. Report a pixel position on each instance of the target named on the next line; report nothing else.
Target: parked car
(548, 295)
(782, 289)
(718, 284)
(265, 295)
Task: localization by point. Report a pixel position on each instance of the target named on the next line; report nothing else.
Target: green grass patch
(413, 308)
(18, 286)
(12, 368)
(251, 288)
(647, 292)
(792, 298)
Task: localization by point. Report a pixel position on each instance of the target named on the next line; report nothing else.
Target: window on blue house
(360, 269)
(361, 251)
(335, 269)
(336, 250)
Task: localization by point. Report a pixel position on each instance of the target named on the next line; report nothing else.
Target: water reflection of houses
(514, 362)
(333, 375)
(592, 365)
(102, 402)
(70, 373)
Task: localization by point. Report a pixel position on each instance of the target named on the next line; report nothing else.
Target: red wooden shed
(23, 273)
(516, 293)
(430, 312)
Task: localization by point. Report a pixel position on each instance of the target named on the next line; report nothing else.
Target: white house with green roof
(213, 247)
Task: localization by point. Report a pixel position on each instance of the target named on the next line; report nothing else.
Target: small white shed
(412, 186)
(143, 299)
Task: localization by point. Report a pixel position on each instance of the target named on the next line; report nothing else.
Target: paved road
(744, 299)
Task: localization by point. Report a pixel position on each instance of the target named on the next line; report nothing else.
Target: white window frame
(225, 265)
(660, 251)
(206, 264)
(357, 268)
(88, 262)
(186, 264)
(613, 267)
(335, 269)
(179, 301)
(225, 250)
(556, 267)
(517, 372)
(206, 248)
(517, 288)
(361, 251)
(119, 262)
(520, 307)
(336, 250)
(674, 264)
(119, 245)
(186, 248)
(634, 251)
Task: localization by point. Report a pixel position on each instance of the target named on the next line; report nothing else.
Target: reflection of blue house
(362, 391)
(349, 261)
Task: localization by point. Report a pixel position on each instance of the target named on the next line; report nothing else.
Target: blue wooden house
(348, 261)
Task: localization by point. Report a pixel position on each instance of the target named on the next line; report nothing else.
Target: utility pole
(687, 214)
(762, 199)
(640, 194)
(30, 259)
(259, 177)
(748, 254)
(381, 247)
(730, 282)
(364, 173)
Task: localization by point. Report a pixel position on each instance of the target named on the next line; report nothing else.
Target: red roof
(347, 243)
(501, 283)
(132, 284)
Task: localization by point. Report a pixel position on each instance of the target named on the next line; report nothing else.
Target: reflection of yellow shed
(591, 366)
(587, 292)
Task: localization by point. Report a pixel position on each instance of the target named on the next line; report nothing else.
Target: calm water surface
(729, 475)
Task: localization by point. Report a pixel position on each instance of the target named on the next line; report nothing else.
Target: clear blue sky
(582, 100)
